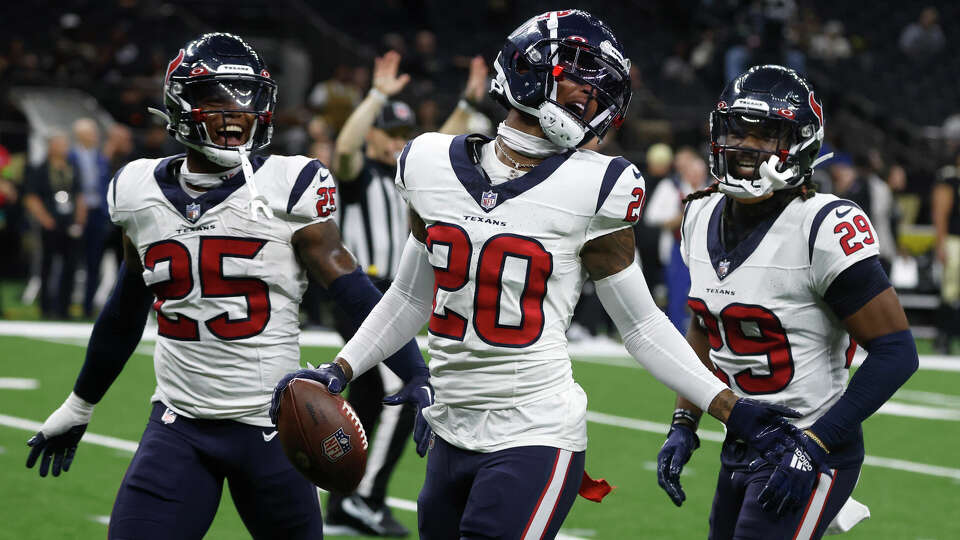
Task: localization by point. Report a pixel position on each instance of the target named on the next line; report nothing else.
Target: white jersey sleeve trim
(653, 340)
(399, 315)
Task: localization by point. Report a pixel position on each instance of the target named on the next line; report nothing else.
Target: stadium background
(885, 107)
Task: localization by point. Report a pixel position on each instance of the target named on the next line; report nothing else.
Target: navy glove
(761, 425)
(330, 375)
(419, 392)
(798, 469)
(60, 448)
(674, 454)
(59, 435)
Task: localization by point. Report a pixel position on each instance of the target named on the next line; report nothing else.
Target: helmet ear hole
(521, 65)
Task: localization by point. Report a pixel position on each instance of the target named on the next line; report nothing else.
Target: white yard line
(16, 383)
(599, 418)
(597, 351)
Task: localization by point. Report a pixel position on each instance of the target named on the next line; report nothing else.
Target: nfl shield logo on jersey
(193, 211)
(337, 445)
(724, 268)
(488, 200)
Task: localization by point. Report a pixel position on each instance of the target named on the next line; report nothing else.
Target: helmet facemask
(218, 115)
(609, 94)
(755, 154)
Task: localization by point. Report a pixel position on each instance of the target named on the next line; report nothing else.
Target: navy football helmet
(767, 103)
(550, 47)
(224, 72)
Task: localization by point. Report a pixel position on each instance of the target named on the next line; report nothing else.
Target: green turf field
(905, 505)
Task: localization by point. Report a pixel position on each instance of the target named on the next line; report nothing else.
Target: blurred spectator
(118, 148)
(830, 44)
(767, 42)
(665, 210)
(923, 37)
(53, 195)
(93, 172)
(945, 209)
(336, 97)
(659, 165)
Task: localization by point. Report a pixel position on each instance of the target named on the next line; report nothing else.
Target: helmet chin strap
(258, 203)
(560, 126)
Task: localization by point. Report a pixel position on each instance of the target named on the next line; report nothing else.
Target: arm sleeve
(652, 340)
(115, 335)
(399, 315)
(891, 359)
(856, 286)
(619, 201)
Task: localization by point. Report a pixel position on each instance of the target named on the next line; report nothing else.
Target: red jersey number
(213, 284)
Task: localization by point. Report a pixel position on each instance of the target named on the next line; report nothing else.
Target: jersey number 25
(213, 284)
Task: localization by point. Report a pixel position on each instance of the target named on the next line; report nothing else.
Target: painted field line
(596, 417)
(597, 351)
(131, 446)
(718, 436)
(17, 383)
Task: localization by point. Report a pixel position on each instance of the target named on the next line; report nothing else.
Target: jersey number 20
(213, 284)
(489, 285)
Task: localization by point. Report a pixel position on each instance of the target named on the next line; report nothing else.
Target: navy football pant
(173, 485)
(736, 514)
(517, 493)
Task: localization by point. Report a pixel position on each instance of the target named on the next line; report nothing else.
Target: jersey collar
(465, 159)
(725, 262)
(192, 209)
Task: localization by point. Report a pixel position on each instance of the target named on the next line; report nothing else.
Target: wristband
(686, 416)
(465, 105)
(377, 95)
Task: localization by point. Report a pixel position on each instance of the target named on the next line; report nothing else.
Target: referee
(374, 226)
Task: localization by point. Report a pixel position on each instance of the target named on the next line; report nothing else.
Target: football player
(504, 233)
(785, 281)
(219, 243)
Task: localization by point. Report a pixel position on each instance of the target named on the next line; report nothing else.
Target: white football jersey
(772, 336)
(228, 288)
(508, 276)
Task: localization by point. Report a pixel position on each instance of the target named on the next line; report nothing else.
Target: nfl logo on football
(488, 200)
(724, 268)
(336, 445)
(193, 211)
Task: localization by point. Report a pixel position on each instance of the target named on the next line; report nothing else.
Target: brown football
(322, 436)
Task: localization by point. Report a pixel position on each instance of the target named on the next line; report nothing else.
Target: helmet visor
(244, 95)
(741, 142)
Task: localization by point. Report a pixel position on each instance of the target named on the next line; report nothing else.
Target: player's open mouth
(231, 135)
(576, 108)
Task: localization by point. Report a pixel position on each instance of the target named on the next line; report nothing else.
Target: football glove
(330, 375)
(763, 426)
(674, 454)
(798, 468)
(419, 392)
(58, 437)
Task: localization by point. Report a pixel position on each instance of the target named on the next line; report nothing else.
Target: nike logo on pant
(267, 437)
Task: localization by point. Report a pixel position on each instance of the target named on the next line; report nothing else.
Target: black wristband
(686, 416)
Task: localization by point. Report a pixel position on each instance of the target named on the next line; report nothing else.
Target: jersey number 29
(489, 285)
(213, 284)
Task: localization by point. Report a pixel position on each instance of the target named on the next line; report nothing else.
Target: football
(322, 436)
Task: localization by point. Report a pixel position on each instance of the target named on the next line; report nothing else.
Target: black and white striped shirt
(373, 219)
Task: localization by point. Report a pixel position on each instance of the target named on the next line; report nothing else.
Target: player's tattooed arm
(322, 253)
(606, 255)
